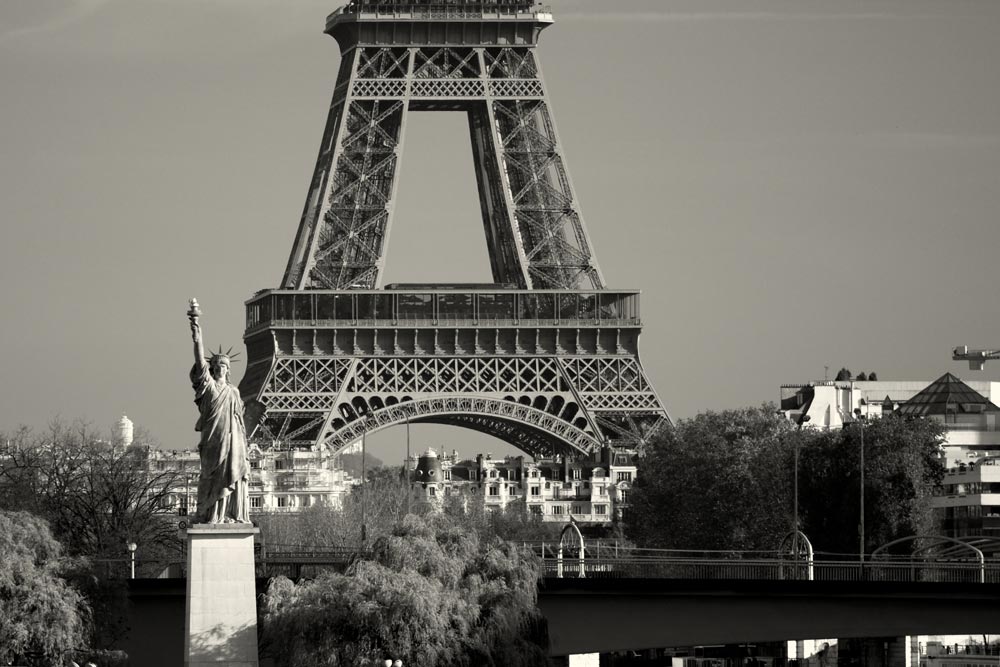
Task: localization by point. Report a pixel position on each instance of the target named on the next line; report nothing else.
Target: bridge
(648, 598)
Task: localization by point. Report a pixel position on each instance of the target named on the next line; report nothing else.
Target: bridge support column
(220, 619)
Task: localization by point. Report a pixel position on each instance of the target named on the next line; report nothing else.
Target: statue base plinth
(220, 619)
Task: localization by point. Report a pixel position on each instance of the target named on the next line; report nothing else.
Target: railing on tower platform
(442, 307)
(442, 9)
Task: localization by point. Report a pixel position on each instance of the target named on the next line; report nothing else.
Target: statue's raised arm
(194, 313)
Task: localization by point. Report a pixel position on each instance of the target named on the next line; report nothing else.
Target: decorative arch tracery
(534, 431)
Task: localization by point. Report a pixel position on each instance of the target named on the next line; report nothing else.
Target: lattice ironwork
(510, 63)
(448, 88)
(558, 433)
(446, 63)
(494, 375)
(384, 63)
(349, 244)
(379, 88)
(517, 88)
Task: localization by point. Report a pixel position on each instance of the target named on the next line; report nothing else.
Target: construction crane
(976, 358)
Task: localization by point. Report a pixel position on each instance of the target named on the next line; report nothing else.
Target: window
(600, 509)
(557, 509)
(305, 501)
(576, 473)
(447, 475)
(279, 464)
(535, 509)
(622, 496)
(535, 491)
(282, 501)
(598, 489)
(625, 477)
(577, 509)
(493, 474)
(447, 490)
(256, 502)
(254, 464)
(431, 491)
(548, 486)
(494, 490)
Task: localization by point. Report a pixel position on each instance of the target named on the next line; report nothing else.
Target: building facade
(969, 500)
(558, 489)
(281, 480)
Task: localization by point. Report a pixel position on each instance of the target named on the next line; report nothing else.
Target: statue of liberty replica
(225, 469)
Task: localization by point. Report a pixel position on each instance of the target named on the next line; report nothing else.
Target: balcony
(446, 308)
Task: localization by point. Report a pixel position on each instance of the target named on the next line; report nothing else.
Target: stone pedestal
(220, 619)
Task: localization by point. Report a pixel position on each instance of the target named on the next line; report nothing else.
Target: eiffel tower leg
(345, 225)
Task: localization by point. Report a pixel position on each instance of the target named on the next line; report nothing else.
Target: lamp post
(795, 519)
(364, 489)
(132, 546)
(861, 524)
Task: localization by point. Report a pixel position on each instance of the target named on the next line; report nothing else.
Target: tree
(96, 496)
(902, 469)
(383, 498)
(872, 377)
(843, 375)
(433, 593)
(862, 377)
(41, 616)
(722, 480)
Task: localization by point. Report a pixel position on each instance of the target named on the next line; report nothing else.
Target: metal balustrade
(444, 308)
(611, 560)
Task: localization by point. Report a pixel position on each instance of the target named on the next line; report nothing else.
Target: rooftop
(947, 395)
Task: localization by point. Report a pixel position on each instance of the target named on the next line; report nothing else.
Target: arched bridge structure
(546, 357)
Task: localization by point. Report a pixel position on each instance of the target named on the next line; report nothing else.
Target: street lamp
(795, 527)
(861, 525)
(132, 546)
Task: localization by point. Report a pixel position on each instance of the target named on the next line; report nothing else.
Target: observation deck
(458, 22)
(453, 320)
(436, 10)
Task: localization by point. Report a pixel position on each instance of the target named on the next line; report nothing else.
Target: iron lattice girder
(568, 405)
(535, 233)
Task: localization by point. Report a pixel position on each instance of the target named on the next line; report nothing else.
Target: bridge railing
(771, 569)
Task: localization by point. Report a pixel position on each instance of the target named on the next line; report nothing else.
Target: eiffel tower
(545, 358)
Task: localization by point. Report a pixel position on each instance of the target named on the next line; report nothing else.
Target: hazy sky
(791, 184)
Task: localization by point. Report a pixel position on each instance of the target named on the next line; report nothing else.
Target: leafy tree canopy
(96, 496)
(843, 374)
(721, 480)
(902, 468)
(41, 616)
(433, 593)
(724, 480)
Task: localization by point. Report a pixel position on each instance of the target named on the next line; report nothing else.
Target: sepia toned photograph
(572, 333)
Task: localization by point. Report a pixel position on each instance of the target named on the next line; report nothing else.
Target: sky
(792, 184)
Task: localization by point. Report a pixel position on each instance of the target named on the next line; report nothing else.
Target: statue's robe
(225, 469)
